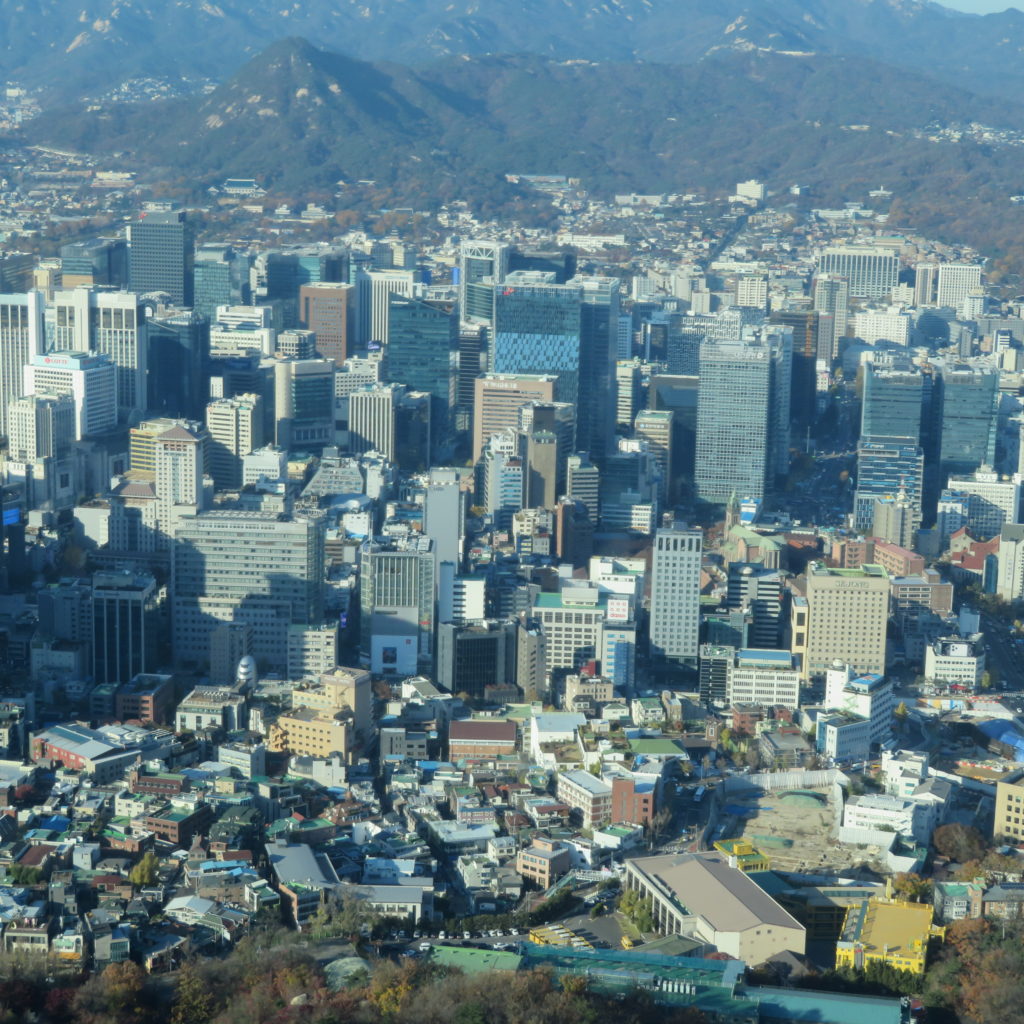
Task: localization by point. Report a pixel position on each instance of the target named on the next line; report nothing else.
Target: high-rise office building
(326, 308)
(304, 403)
(538, 330)
(804, 375)
(178, 364)
(397, 606)
(967, 400)
(893, 404)
(255, 567)
(215, 280)
(541, 469)
(161, 254)
(236, 428)
(847, 619)
(873, 271)
(583, 484)
(884, 469)
(40, 427)
(472, 657)
(482, 264)
(832, 297)
(743, 414)
(471, 360)
(655, 427)
(955, 281)
(498, 399)
(90, 380)
(94, 261)
(599, 327)
(627, 393)
(376, 290)
(180, 456)
(296, 344)
(421, 346)
(371, 420)
(125, 627)
(675, 594)
(502, 486)
(21, 339)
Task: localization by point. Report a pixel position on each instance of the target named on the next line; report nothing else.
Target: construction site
(795, 829)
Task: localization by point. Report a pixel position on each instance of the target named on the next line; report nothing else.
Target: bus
(699, 794)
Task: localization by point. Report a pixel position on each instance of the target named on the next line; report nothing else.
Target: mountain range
(78, 48)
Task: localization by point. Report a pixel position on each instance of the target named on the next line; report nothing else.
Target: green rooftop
(475, 961)
(657, 746)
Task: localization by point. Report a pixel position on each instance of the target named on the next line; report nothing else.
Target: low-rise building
(890, 932)
(958, 661)
(589, 796)
(544, 861)
(481, 738)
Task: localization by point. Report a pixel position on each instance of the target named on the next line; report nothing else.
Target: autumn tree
(146, 871)
(959, 842)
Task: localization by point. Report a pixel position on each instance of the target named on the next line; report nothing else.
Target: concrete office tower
(230, 642)
(21, 340)
(743, 415)
(125, 627)
(955, 281)
(296, 344)
(444, 520)
(655, 427)
(421, 347)
(884, 468)
(991, 500)
(104, 323)
(624, 337)
(675, 594)
(538, 329)
(259, 568)
(892, 405)
(357, 373)
(397, 606)
(969, 399)
(752, 291)
(599, 327)
(832, 297)
(241, 330)
(215, 280)
(759, 592)
(40, 427)
(160, 255)
(94, 261)
(627, 393)
(380, 287)
(498, 398)
(503, 477)
(326, 309)
(874, 325)
(177, 364)
(895, 519)
(304, 404)
(460, 599)
(873, 271)
(847, 618)
(471, 361)
(142, 441)
(371, 420)
(583, 484)
(541, 469)
(235, 426)
(180, 470)
(926, 284)
(482, 264)
(804, 369)
(558, 418)
(90, 380)
(472, 657)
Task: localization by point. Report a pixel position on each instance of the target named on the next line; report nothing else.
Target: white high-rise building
(255, 567)
(371, 420)
(236, 428)
(869, 696)
(675, 593)
(872, 270)
(875, 325)
(104, 323)
(955, 282)
(40, 427)
(91, 380)
(21, 339)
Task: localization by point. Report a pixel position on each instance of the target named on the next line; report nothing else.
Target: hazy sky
(981, 6)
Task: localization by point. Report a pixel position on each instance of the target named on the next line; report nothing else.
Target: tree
(912, 887)
(959, 842)
(193, 1002)
(901, 711)
(146, 871)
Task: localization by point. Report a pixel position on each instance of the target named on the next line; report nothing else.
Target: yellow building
(892, 932)
(313, 733)
(743, 855)
(1009, 817)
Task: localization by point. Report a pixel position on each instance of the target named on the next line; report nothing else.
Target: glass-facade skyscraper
(599, 324)
(969, 397)
(743, 414)
(538, 329)
(160, 256)
(892, 404)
